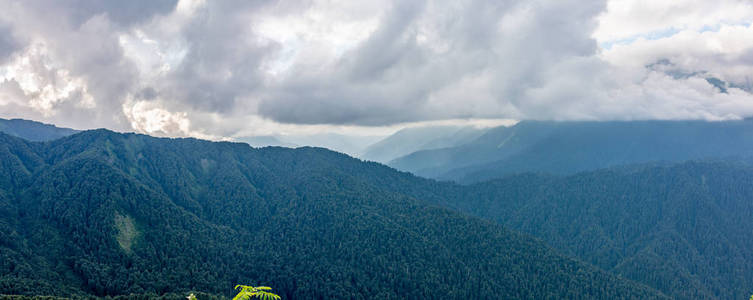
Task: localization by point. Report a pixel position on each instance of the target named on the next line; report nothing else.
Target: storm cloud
(217, 69)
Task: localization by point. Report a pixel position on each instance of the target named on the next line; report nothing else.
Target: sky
(228, 69)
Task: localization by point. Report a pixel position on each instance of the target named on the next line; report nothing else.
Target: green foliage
(312, 223)
(317, 224)
(146, 296)
(683, 229)
(247, 292)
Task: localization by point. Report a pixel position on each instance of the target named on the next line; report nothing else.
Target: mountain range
(409, 140)
(32, 130)
(570, 147)
(682, 228)
(100, 213)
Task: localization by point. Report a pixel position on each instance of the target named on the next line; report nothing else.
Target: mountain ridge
(410, 140)
(214, 214)
(681, 228)
(569, 147)
(33, 130)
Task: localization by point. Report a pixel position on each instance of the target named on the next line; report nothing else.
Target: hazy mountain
(265, 141)
(102, 213)
(33, 131)
(568, 147)
(683, 229)
(348, 144)
(414, 139)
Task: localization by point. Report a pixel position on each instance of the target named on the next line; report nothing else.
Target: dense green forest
(684, 229)
(569, 147)
(151, 212)
(100, 213)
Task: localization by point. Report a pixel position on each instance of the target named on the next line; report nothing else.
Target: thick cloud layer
(236, 68)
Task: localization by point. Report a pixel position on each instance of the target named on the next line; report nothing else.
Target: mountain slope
(102, 213)
(569, 147)
(683, 229)
(410, 140)
(33, 131)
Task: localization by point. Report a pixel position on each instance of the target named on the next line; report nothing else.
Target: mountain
(684, 229)
(348, 144)
(569, 147)
(33, 131)
(265, 141)
(101, 213)
(414, 139)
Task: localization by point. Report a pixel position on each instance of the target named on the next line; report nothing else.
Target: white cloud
(45, 85)
(727, 52)
(631, 19)
(152, 118)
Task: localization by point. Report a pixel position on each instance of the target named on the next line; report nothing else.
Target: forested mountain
(684, 229)
(409, 140)
(32, 130)
(569, 147)
(102, 213)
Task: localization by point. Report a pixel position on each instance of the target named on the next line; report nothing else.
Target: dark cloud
(123, 13)
(508, 44)
(223, 58)
(388, 47)
(8, 43)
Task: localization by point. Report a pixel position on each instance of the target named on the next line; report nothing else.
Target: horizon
(358, 146)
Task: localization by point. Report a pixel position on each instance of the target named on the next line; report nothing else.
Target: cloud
(230, 68)
(72, 64)
(627, 20)
(423, 53)
(8, 43)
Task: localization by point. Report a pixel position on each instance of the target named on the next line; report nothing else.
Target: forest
(102, 214)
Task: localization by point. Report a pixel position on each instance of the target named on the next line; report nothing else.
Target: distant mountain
(102, 213)
(265, 141)
(348, 144)
(352, 145)
(568, 147)
(684, 229)
(33, 131)
(410, 140)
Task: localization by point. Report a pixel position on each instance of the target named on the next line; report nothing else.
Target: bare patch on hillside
(127, 232)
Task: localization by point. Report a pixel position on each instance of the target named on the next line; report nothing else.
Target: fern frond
(241, 296)
(266, 295)
(251, 292)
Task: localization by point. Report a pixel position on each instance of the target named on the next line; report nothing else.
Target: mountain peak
(33, 131)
